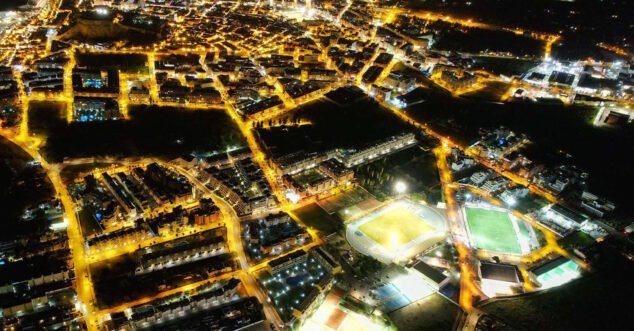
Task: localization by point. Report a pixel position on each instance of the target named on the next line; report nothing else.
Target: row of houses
(163, 225)
(158, 313)
(328, 175)
(297, 162)
(275, 234)
(161, 258)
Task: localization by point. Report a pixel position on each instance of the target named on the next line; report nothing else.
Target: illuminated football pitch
(395, 228)
(397, 231)
(492, 230)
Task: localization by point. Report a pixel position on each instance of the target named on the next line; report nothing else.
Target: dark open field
(581, 23)
(21, 186)
(479, 40)
(150, 131)
(598, 301)
(434, 312)
(333, 126)
(607, 154)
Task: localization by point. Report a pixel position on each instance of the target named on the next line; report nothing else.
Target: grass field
(395, 227)
(345, 199)
(492, 230)
(434, 312)
(314, 216)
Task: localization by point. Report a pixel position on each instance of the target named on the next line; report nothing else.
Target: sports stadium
(497, 230)
(397, 231)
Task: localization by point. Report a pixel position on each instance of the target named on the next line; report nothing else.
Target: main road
(468, 286)
(234, 240)
(84, 286)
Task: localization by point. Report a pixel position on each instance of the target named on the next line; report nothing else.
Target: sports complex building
(555, 273)
(496, 230)
(397, 231)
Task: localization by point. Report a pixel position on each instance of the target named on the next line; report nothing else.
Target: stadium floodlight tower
(102, 11)
(400, 187)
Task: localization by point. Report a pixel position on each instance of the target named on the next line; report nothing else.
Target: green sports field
(395, 228)
(492, 230)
